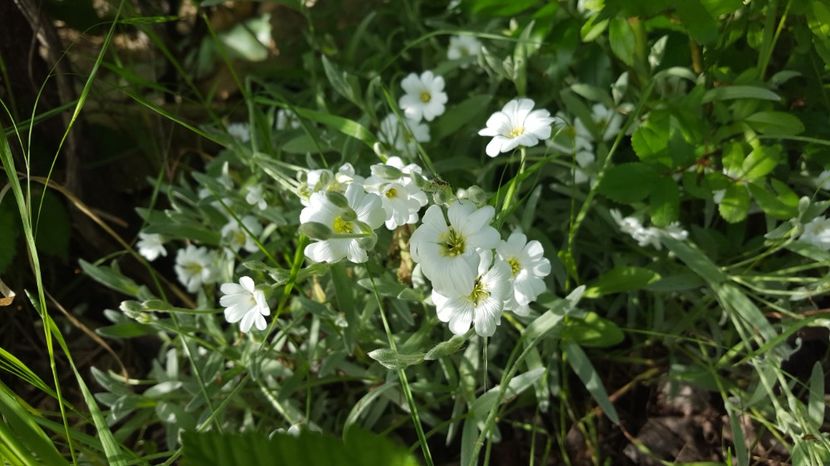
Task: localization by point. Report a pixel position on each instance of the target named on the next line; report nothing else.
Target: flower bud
(337, 199)
(387, 172)
(316, 230)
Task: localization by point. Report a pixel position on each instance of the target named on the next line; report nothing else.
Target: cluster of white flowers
(647, 236)
(475, 276)
(343, 210)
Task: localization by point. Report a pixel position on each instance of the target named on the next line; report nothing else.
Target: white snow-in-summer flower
(817, 233)
(287, 120)
(240, 131)
(823, 180)
(256, 196)
(238, 238)
(400, 195)
(481, 302)
(363, 214)
(448, 252)
(193, 267)
(403, 134)
(607, 120)
(635, 228)
(516, 124)
(323, 180)
(424, 98)
(151, 246)
(462, 47)
(676, 231)
(528, 267)
(245, 304)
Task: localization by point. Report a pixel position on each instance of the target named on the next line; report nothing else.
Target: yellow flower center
(516, 132)
(392, 193)
(479, 293)
(341, 226)
(515, 265)
(194, 268)
(239, 237)
(452, 243)
(425, 96)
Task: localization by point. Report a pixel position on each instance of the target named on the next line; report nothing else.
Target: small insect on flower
(193, 267)
(424, 98)
(517, 124)
(245, 304)
(151, 246)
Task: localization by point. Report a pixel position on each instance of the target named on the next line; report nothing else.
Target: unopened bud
(316, 230)
(387, 172)
(337, 199)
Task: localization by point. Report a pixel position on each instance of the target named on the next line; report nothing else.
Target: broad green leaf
(664, 202)
(700, 24)
(740, 92)
(621, 39)
(583, 368)
(592, 331)
(308, 449)
(775, 123)
(621, 279)
(393, 360)
(628, 182)
(735, 203)
(760, 162)
(780, 206)
(651, 139)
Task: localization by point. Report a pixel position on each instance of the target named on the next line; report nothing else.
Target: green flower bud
(316, 230)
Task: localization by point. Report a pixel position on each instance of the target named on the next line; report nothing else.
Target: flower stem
(513, 188)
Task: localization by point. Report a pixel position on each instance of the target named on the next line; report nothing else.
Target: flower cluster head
(400, 195)
(245, 304)
(471, 284)
(647, 236)
(517, 124)
(424, 96)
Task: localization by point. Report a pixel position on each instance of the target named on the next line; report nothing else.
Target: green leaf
(393, 360)
(700, 24)
(344, 125)
(782, 205)
(621, 39)
(775, 123)
(740, 92)
(735, 203)
(499, 7)
(344, 84)
(628, 182)
(651, 139)
(583, 368)
(592, 331)
(760, 162)
(21, 435)
(621, 279)
(308, 449)
(125, 330)
(664, 202)
(695, 259)
(459, 115)
(112, 278)
(446, 348)
(815, 406)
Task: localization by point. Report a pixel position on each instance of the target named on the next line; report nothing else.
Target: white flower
(364, 212)
(193, 267)
(646, 236)
(403, 134)
(817, 233)
(238, 237)
(424, 98)
(718, 195)
(517, 124)
(823, 180)
(676, 231)
(608, 121)
(481, 303)
(287, 120)
(151, 246)
(528, 266)
(240, 131)
(323, 180)
(400, 196)
(448, 252)
(256, 197)
(245, 304)
(583, 171)
(462, 47)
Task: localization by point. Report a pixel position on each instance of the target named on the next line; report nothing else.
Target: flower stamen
(425, 96)
(515, 265)
(479, 293)
(516, 132)
(452, 243)
(342, 226)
